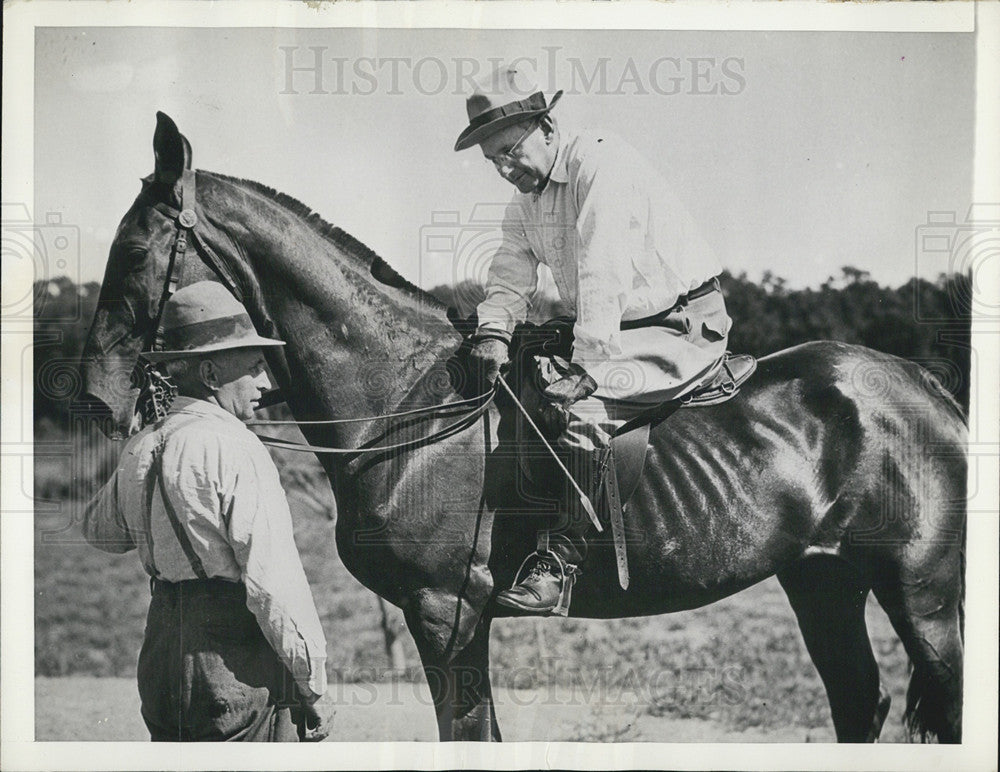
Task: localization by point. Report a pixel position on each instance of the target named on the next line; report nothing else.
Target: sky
(797, 152)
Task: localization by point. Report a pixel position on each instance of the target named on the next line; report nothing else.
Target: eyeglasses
(500, 160)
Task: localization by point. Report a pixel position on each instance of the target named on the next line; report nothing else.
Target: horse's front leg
(459, 678)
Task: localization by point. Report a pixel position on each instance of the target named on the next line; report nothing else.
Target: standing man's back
(233, 649)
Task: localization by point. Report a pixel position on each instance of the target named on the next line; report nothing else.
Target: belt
(213, 585)
(658, 319)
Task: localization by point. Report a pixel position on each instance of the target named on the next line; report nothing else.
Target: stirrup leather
(567, 578)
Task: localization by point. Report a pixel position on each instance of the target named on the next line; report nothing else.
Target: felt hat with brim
(505, 98)
(202, 318)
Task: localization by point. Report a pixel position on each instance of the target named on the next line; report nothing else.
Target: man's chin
(526, 184)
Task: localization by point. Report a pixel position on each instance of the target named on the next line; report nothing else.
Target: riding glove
(577, 385)
(561, 395)
(488, 355)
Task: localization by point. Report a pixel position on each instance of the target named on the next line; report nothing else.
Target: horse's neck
(355, 347)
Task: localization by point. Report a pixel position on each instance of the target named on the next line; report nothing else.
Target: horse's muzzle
(108, 398)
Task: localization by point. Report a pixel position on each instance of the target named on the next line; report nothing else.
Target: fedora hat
(505, 98)
(204, 317)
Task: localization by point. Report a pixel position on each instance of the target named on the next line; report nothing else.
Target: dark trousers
(567, 536)
(206, 672)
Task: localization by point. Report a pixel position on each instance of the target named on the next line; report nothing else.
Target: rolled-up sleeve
(513, 276)
(104, 525)
(278, 592)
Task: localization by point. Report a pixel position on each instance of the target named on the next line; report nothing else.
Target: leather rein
(479, 404)
(187, 221)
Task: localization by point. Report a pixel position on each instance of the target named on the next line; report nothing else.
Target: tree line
(928, 322)
(925, 321)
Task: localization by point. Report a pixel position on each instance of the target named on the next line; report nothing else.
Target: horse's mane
(377, 266)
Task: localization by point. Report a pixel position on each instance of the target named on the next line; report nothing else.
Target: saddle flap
(629, 454)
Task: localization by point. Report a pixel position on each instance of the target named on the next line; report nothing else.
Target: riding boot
(544, 583)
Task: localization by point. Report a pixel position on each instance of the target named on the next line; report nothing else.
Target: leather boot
(544, 583)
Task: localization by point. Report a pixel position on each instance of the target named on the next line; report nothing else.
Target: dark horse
(837, 468)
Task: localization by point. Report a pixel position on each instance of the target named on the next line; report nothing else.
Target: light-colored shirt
(200, 497)
(617, 239)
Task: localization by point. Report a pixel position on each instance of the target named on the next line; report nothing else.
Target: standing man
(233, 648)
(629, 263)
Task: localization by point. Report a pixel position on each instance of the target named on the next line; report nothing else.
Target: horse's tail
(926, 711)
(934, 694)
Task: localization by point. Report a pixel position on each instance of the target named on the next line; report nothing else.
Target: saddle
(630, 443)
(622, 466)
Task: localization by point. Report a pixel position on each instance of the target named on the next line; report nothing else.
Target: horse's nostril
(90, 406)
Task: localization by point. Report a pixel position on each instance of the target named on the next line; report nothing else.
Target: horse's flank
(831, 452)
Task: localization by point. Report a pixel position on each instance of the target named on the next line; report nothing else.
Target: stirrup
(567, 578)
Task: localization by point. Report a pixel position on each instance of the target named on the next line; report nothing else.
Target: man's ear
(548, 124)
(208, 374)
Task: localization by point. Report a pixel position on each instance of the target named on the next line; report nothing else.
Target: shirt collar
(560, 172)
(201, 407)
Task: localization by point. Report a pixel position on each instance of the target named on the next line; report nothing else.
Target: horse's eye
(135, 257)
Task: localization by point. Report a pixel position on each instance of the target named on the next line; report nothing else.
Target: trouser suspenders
(183, 538)
(182, 535)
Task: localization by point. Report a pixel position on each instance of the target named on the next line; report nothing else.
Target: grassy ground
(107, 709)
(736, 669)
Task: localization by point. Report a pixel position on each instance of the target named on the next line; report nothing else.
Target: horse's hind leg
(925, 608)
(828, 597)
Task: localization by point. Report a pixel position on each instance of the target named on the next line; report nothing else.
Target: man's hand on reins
(488, 355)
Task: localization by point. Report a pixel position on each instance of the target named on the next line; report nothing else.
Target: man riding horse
(621, 248)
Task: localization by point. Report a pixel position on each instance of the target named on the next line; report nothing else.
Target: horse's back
(805, 456)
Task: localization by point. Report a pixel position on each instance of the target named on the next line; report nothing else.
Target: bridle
(478, 404)
(187, 221)
(157, 390)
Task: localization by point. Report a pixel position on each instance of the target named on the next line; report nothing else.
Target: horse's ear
(171, 150)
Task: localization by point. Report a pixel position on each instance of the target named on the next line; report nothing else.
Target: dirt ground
(107, 709)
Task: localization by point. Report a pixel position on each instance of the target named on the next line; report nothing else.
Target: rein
(156, 393)
(481, 402)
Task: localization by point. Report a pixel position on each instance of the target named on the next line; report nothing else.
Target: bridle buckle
(187, 218)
